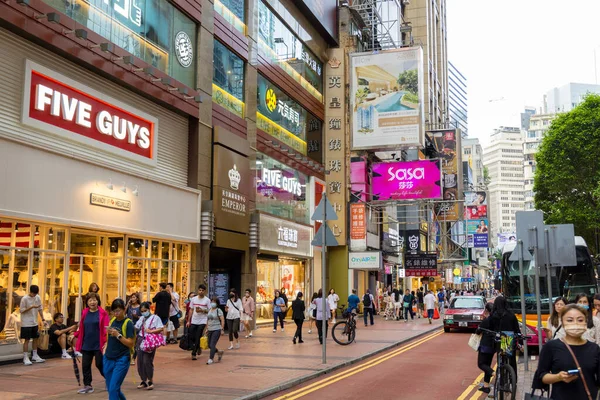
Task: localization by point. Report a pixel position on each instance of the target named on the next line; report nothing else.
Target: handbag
(186, 343)
(43, 340)
(204, 342)
(582, 377)
(152, 341)
(406, 304)
(170, 326)
(533, 396)
(475, 341)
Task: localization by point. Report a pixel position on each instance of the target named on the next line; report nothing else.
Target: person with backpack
(121, 339)
(441, 300)
(368, 305)
(420, 302)
(407, 303)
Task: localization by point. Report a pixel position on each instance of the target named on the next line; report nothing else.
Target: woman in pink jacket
(248, 308)
(91, 338)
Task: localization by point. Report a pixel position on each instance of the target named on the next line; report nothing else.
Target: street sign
(561, 245)
(525, 221)
(324, 206)
(330, 239)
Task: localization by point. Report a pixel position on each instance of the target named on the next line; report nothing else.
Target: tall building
(532, 137)
(567, 97)
(473, 154)
(503, 158)
(457, 99)
(428, 20)
(526, 116)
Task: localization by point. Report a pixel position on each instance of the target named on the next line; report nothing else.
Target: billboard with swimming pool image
(387, 99)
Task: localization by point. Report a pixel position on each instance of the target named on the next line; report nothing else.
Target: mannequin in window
(13, 325)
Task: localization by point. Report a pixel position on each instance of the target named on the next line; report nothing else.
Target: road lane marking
(359, 368)
(475, 383)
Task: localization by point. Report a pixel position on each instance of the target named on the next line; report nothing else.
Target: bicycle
(344, 332)
(505, 381)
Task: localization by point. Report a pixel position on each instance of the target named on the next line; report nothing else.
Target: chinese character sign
(407, 180)
(334, 145)
(358, 227)
(447, 146)
(420, 265)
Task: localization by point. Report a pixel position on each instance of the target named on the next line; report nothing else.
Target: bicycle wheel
(342, 333)
(506, 383)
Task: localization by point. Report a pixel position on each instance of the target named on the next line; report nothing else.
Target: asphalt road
(440, 366)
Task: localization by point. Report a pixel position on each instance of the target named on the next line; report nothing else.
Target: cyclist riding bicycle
(500, 320)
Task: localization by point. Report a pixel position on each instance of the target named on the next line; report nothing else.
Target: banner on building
(476, 205)
(420, 265)
(407, 180)
(358, 227)
(447, 147)
(477, 226)
(504, 238)
(386, 99)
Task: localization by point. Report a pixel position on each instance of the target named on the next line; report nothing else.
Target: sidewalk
(268, 360)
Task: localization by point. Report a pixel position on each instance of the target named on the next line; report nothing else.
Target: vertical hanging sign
(335, 140)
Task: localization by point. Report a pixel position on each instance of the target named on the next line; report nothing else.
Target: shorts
(164, 321)
(397, 305)
(245, 317)
(29, 332)
(421, 306)
(175, 321)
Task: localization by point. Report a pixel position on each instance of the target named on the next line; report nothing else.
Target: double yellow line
(477, 393)
(329, 380)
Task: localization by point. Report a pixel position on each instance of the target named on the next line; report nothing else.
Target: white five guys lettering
(71, 109)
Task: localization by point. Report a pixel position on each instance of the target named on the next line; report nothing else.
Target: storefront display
(285, 274)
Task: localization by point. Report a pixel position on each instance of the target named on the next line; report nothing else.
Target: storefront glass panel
(284, 274)
(228, 79)
(281, 190)
(280, 44)
(152, 30)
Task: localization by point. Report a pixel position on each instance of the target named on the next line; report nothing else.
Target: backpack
(132, 349)
(367, 300)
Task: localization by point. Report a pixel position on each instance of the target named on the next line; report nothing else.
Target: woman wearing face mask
(148, 323)
(234, 313)
(593, 323)
(248, 313)
(553, 327)
(556, 359)
(214, 328)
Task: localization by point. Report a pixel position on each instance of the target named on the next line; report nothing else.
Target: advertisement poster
(504, 238)
(358, 227)
(387, 99)
(480, 240)
(477, 226)
(476, 205)
(218, 285)
(407, 180)
(421, 265)
(446, 145)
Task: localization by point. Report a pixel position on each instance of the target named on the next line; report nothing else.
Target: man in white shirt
(429, 301)
(173, 311)
(31, 307)
(197, 318)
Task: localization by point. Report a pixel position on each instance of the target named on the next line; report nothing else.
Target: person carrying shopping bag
(149, 329)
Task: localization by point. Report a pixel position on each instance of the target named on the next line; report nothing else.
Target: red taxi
(464, 312)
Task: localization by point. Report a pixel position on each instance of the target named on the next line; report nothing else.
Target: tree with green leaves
(567, 178)
(409, 81)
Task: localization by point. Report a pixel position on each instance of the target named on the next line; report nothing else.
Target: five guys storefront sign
(58, 105)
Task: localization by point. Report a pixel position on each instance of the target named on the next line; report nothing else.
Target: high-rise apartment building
(567, 97)
(473, 154)
(428, 20)
(457, 99)
(532, 138)
(504, 160)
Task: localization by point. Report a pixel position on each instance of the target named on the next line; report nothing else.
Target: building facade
(472, 153)
(504, 161)
(457, 99)
(532, 138)
(567, 97)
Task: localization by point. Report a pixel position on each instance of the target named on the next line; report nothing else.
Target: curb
(297, 381)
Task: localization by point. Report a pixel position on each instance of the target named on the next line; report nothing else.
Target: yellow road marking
(471, 386)
(355, 370)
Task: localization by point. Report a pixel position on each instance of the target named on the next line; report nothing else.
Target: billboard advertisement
(447, 147)
(504, 238)
(407, 180)
(387, 99)
(477, 226)
(476, 206)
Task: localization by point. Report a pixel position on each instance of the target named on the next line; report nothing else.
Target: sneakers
(26, 361)
(310, 331)
(65, 356)
(220, 355)
(230, 347)
(142, 385)
(194, 357)
(247, 336)
(150, 386)
(237, 345)
(209, 362)
(250, 334)
(78, 354)
(86, 390)
(300, 341)
(274, 330)
(294, 340)
(37, 359)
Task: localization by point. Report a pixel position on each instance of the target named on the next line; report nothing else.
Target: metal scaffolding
(383, 20)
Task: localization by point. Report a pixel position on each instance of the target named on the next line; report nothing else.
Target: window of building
(279, 43)
(228, 79)
(154, 31)
(467, 151)
(283, 118)
(233, 12)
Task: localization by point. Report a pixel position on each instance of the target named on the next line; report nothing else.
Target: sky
(513, 51)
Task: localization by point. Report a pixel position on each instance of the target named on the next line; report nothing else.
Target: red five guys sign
(61, 106)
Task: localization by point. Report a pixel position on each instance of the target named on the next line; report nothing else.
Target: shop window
(228, 79)
(233, 12)
(283, 274)
(281, 190)
(283, 118)
(280, 44)
(152, 30)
